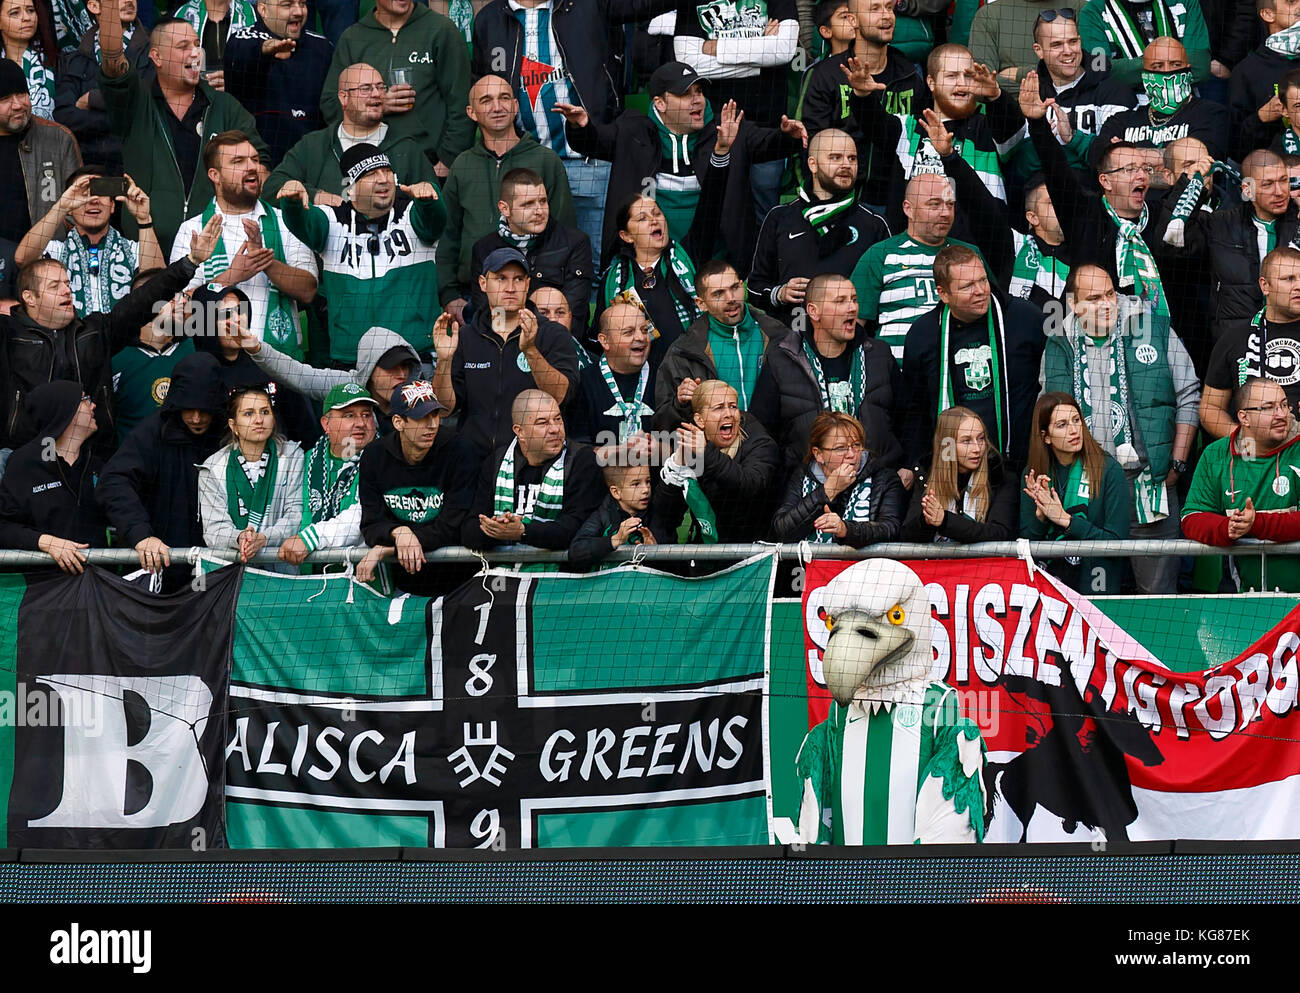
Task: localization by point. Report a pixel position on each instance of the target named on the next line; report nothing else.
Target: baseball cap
(675, 78)
(499, 258)
(396, 355)
(415, 399)
(345, 395)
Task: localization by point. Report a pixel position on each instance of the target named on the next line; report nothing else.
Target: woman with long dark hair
(250, 490)
(1073, 491)
(27, 30)
(652, 272)
(966, 497)
(840, 494)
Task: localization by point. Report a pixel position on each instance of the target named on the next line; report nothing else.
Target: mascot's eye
(896, 615)
(830, 622)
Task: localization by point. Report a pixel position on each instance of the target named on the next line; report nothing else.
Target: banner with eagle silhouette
(1089, 735)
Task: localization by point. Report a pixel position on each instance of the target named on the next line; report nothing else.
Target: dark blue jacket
(283, 95)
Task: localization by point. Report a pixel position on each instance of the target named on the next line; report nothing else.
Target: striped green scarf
(674, 264)
(821, 214)
(1136, 266)
(918, 156)
(859, 505)
(329, 484)
(1032, 268)
(842, 398)
(997, 374)
(550, 501)
(246, 503)
(1126, 34)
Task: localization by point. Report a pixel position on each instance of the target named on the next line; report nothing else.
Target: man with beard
(377, 251)
(1117, 230)
(100, 261)
(557, 255)
(537, 490)
(826, 100)
(1041, 265)
(163, 124)
(986, 125)
(1086, 93)
(726, 342)
(314, 161)
(474, 186)
(142, 370)
(1247, 484)
(1268, 346)
(30, 149)
(150, 488)
(256, 252)
(1172, 112)
(824, 230)
(276, 68)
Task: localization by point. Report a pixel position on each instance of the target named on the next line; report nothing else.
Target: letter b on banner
(96, 760)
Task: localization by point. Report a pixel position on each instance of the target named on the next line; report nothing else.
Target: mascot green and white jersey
(895, 763)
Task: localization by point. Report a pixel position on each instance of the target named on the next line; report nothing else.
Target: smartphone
(109, 186)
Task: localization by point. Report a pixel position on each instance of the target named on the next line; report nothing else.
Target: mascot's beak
(858, 645)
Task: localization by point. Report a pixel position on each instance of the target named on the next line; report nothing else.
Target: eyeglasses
(842, 449)
(367, 88)
(1048, 16)
(1132, 169)
(1279, 407)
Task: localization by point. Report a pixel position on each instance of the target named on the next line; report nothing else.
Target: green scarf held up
(1126, 34)
(281, 319)
(247, 504)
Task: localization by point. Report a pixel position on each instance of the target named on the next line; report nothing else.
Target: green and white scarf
(1290, 142)
(550, 501)
(706, 518)
(620, 283)
(242, 15)
(1176, 229)
(1138, 275)
(1150, 497)
(281, 319)
(1077, 491)
(998, 348)
(40, 82)
(842, 398)
(859, 503)
(1167, 91)
(630, 411)
(71, 22)
(245, 502)
(523, 242)
(918, 156)
(1032, 268)
(820, 215)
(1126, 34)
(329, 484)
(95, 291)
(1285, 42)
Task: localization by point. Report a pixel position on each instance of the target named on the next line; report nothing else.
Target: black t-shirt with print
(1236, 357)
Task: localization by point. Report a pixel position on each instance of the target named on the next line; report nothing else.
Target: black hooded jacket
(40, 495)
(150, 488)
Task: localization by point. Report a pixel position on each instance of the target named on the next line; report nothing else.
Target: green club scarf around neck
(821, 214)
(247, 504)
(858, 507)
(629, 411)
(523, 242)
(281, 318)
(329, 483)
(550, 501)
(1138, 275)
(842, 398)
(674, 264)
(997, 346)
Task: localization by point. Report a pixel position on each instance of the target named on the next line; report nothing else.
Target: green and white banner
(522, 710)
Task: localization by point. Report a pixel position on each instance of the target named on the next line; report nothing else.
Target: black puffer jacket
(794, 521)
(150, 488)
(560, 257)
(1001, 523)
(81, 352)
(787, 400)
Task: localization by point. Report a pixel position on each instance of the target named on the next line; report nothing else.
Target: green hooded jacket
(433, 49)
(314, 162)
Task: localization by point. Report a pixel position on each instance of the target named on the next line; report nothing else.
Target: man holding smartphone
(101, 262)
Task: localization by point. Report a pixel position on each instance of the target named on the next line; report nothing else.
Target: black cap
(415, 399)
(675, 78)
(396, 355)
(499, 258)
(360, 159)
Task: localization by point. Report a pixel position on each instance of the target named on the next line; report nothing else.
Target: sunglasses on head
(1048, 16)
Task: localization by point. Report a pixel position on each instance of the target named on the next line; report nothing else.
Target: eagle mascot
(895, 763)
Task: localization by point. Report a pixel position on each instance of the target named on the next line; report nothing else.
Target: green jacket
(471, 192)
(314, 162)
(135, 110)
(1107, 518)
(1151, 385)
(432, 48)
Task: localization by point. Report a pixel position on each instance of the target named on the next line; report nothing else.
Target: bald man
(1233, 241)
(473, 187)
(1172, 111)
(824, 230)
(314, 161)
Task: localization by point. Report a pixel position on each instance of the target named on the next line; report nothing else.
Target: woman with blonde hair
(723, 466)
(1073, 491)
(250, 490)
(966, 497)
(841, 494)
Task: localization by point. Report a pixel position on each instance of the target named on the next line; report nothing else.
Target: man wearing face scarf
(1172, 112)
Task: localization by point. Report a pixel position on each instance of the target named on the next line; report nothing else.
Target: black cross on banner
(484, 752)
